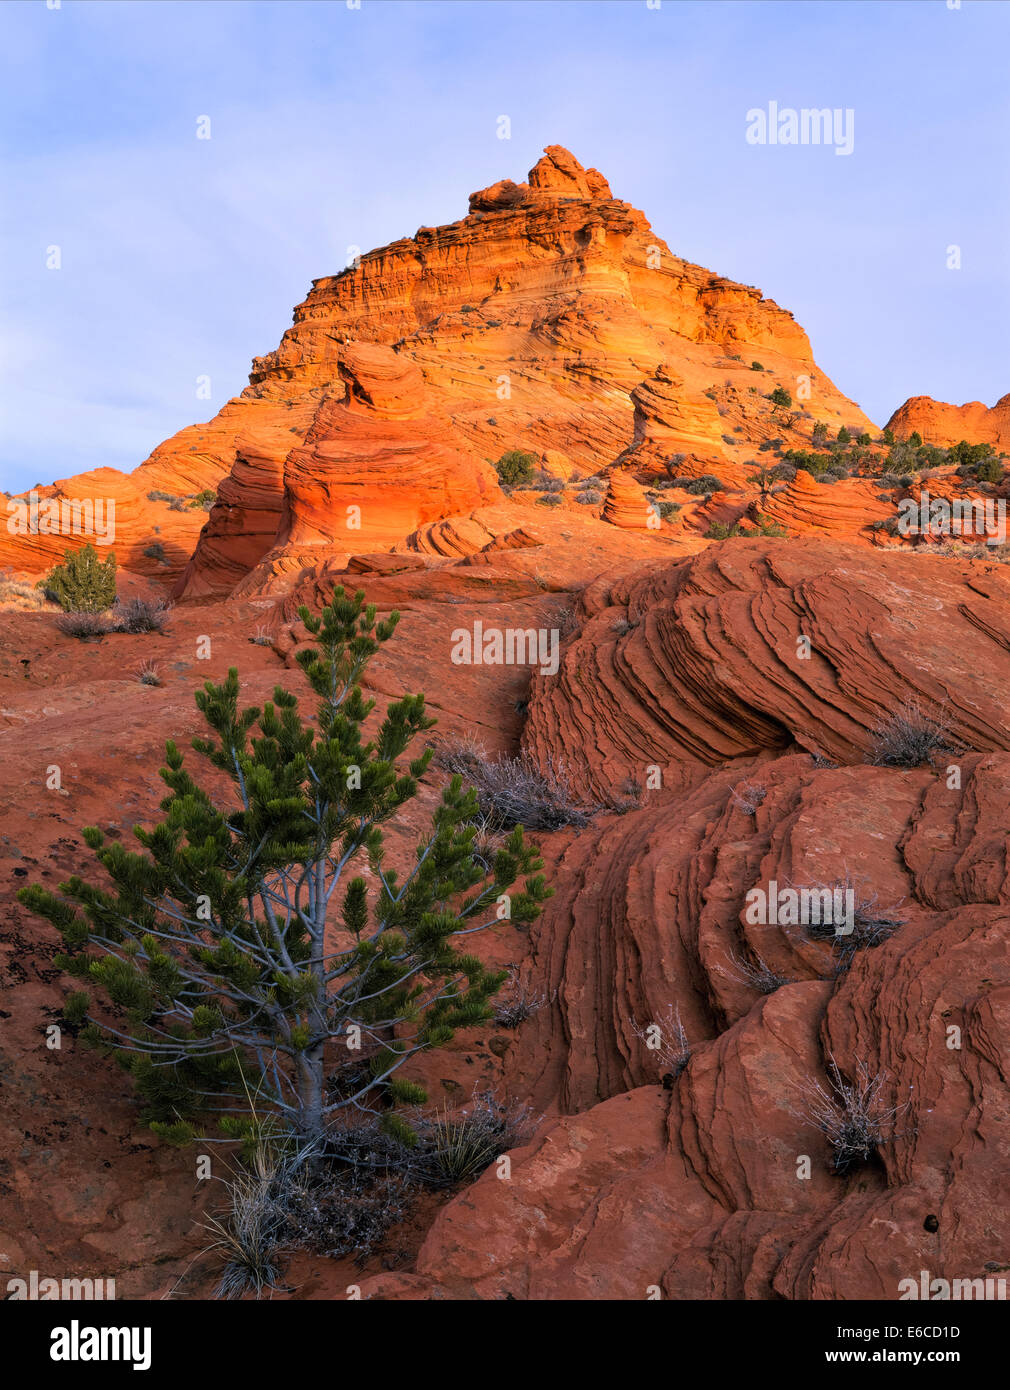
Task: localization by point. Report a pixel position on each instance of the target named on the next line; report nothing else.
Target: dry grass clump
(853, 1115)
(148, 673)
(872, 923)
(516, 791)
(20, 595)
(911, 736)
(666, 1041)
(759, 975)
(140, 615)
(518, 1001)
(84, 625)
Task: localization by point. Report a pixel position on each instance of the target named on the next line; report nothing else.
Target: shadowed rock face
(716, 1183)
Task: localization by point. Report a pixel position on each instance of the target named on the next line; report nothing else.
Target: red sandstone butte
(944, 425)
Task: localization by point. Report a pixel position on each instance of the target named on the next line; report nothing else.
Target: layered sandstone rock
(840, 509)
(754, 645)
(669, 423)
(944, 425)
(551, 318)
(155, 535)
(718, 1183)
(626, 504)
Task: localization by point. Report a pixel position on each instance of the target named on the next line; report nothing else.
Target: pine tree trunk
(311, 1098)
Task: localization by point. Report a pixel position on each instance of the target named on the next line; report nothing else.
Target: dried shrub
(911, 736)
(140, 615)
(84, 625)
(517, 1002)
(821, 761)
(666, 1041)
(348, 1212)
(519, 790)
(759, 975)
(749, 797)
(22, 595)
(872, 923)
(853, 1115)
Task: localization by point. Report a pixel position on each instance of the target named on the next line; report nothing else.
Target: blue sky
(333, 127)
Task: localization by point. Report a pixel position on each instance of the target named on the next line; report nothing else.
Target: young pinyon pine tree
(214, 944)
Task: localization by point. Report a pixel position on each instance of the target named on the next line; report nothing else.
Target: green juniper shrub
(719, 531)
(83, 583)
(708, 482)
(990, 471)
(515, 467)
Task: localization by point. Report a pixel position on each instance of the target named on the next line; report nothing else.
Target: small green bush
(83, 584)
(699, 486)
(719, 531)
(515, 467)
(780, 396)
(990, 471)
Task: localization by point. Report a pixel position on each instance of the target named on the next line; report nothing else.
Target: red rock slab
(840, 510)
(701, 661)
